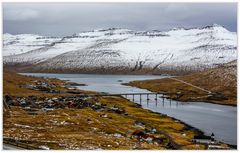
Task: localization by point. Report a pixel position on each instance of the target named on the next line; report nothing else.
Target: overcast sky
(59, 19)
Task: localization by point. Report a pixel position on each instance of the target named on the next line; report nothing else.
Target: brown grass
(84, 128)
(222, 80)
(12, 83)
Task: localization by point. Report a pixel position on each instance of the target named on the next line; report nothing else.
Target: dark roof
(202, 137)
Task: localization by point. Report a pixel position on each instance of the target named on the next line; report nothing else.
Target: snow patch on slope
(108, 48)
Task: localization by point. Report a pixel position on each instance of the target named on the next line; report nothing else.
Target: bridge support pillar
(163, 101)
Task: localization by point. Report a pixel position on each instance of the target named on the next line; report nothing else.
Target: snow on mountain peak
(194, 48)
(210, 27)
(216, 25)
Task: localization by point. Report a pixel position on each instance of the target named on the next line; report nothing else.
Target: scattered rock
(117, 110)
(44, 147)
(139, 124)
(97, 107)
(22, 126)
(154, 131)
(50, 101)
(94, 129)
(54, 99)
(104, 115)
(138, 134)
(158, 141)
(117, 135)
(149, 140)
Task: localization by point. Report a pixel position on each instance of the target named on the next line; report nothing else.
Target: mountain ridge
(123, 50)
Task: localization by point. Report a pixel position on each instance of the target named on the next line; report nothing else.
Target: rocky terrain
(122, 51)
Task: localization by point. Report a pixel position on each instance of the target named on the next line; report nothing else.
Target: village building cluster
(34, 104)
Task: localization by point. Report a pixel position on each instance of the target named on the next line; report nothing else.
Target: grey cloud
(17, 15)
(68, 18)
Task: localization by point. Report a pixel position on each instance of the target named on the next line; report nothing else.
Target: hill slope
(123, 51)
(220, 81)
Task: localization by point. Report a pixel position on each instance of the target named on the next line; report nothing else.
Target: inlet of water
(219, 119)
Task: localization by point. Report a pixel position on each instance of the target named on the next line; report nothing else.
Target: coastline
(187, 127)
(232, 105)
(178, 91)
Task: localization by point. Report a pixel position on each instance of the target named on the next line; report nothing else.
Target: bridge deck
(124, 94)
(119, 94)
(157, 95)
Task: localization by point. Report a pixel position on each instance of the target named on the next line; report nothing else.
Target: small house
(204, 139)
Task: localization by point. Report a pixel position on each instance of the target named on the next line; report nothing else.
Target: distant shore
(218, 86)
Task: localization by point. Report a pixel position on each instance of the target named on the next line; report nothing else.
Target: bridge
(130, 96)
(133, 96)
(134, 93)
(127, 94)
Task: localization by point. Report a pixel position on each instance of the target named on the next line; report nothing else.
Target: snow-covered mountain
(123, 50)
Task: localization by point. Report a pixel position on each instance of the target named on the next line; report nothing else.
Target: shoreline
(128, 84)
(179, 91)
(188, 127)
(199, 131)
(232, 105)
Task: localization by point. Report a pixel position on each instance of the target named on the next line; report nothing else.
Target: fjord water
(219, 119)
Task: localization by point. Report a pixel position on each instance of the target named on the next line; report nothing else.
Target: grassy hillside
(221, 82)
(87, 128)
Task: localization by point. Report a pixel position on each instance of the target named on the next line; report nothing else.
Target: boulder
(104, 115)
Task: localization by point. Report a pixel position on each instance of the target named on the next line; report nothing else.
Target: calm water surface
(219, 119)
